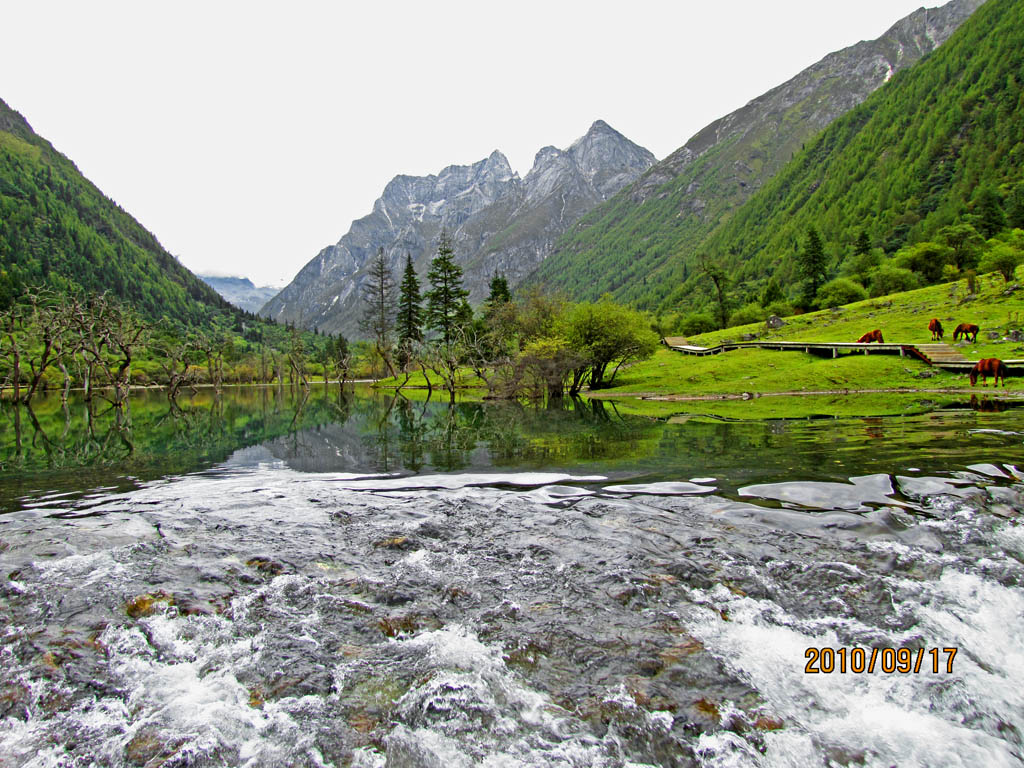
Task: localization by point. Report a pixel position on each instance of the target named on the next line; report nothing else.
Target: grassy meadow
(705, 382)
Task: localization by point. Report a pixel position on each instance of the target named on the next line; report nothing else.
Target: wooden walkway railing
(937, 355)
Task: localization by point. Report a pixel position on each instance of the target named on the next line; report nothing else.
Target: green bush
(1002, 258)
(779, 308)
(925, 259)
(840, 291)
(696, 323)
(888, 279)
(751, 313)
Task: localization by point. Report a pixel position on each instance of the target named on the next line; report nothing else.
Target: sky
(247, 135)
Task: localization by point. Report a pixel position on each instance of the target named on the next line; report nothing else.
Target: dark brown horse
(965, 330)
(867, 338)
(989, 366)
(936, 328)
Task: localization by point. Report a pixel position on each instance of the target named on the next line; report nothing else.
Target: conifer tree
(410, 311)
(988, 211)
(500, 293)
(863, 245)
(811, 264)
(446, 295)
(1015, 207)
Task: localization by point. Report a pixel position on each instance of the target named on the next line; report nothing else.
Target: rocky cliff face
(674, 205)
(240, 291)
(498, 221)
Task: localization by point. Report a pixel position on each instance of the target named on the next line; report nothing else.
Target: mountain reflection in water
(268, 579)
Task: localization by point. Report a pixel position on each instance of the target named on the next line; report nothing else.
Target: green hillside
(620, 244)
(911, 160)
(58, 229)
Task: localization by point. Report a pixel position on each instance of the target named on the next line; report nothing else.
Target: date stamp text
(858, 660)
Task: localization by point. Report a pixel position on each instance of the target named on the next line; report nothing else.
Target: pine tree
(987, 206)
(410, 311)
(1015, 207)
(500, 293)
(863, 245)
(811, 264)
(445, 297)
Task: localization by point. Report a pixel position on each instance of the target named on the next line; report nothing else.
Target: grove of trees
(538, 345)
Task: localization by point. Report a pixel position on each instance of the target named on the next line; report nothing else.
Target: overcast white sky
(247, 136)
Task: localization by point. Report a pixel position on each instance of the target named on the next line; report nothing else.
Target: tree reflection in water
(330, 429)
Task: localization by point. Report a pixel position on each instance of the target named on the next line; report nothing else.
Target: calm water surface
(262, 579)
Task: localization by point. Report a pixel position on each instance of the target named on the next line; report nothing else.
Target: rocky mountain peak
(497, 164)
(607, 159)
(499, 223)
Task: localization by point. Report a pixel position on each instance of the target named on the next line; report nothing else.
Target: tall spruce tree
(811, 265)
(1015, 207)
(863, 245)
(410, 311)
(378, 294)
(987, 207)
(446, 294)
(500, 293)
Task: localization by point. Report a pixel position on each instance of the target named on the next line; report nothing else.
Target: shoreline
(679, 397)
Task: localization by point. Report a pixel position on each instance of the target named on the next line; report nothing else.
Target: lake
(263, 578)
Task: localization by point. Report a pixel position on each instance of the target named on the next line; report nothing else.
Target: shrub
(888, 279)
(779, 308)
(840, 291)
(1002, 258)
(926, 259)
(696, 323)
(751, 313)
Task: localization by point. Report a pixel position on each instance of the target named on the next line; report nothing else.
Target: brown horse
(989, 366)
(965, 330)
(867, 338)
(936, 328)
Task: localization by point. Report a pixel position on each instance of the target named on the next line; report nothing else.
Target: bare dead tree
(125, 331)
(297, 358)
(378, 295)
(178, 371)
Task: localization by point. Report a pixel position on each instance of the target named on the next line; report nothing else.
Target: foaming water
(258, 615)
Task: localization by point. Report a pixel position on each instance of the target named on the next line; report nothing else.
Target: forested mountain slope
(58, 229)
(663, 216)
(902, 166)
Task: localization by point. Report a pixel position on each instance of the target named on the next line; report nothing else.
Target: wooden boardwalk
(937, 355)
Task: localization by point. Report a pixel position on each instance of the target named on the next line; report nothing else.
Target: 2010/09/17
(858, 660)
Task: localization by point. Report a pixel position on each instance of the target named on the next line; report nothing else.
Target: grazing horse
(936, 328)
(867, 338)
(989, 366)
(965, 330)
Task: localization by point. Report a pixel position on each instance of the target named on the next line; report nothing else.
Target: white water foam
(925, 719)
(473, 711)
